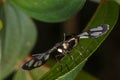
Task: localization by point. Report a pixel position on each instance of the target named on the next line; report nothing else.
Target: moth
(64, 47)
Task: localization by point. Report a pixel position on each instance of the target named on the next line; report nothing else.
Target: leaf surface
(17, 38)
(50, 10)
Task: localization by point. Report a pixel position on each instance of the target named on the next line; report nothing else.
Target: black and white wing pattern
(95, 32)
(37, 60)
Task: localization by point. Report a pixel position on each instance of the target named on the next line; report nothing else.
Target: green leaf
(50, 10)
(72, 73)
(118, 1)
(17, 38)
(107, 13)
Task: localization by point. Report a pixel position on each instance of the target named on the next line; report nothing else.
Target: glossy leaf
(107, 13)
(50, 10)
(118, 1)
(18, 37)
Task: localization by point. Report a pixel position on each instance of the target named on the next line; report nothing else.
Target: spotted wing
(95, 32)
(36, 61)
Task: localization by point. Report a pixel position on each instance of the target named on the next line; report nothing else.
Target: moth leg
(72, 58)
(57, 57)
(79, 52)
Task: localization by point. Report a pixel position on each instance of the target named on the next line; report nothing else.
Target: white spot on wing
(96, 34)
(83, 35)
(96, 29)
(46, 57)
(38, 63)
(30, 63)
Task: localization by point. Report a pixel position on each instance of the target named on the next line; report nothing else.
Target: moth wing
(95, 32)
(36, 61)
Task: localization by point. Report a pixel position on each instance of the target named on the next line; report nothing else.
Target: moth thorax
(65, 45)
(73, 42)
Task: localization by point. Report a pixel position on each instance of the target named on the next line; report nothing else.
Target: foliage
(18, 34)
